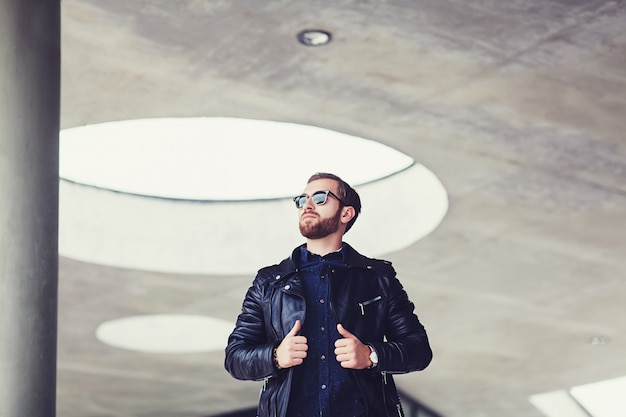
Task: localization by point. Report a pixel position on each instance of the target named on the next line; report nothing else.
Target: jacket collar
(352, 257)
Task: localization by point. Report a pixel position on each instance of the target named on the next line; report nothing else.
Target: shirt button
(322, 300)
(323, 357)
(287, 286)
(322, 328)
(323, 386)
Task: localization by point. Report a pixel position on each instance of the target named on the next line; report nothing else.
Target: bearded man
(325, 328)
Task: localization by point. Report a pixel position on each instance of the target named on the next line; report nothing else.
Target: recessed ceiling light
(314, 37)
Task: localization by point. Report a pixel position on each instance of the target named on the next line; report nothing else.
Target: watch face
(374, 358)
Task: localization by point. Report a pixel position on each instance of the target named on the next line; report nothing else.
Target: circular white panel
(164, 333)
(217, 158)
(224, 190)
(180, 236)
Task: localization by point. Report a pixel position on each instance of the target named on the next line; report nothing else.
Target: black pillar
(29, 158)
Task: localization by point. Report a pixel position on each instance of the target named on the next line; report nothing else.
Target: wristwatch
(373, 357)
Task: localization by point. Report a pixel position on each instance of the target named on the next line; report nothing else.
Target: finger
(299, 343)
(301, 354)
(297, 361)
(299, 340)
(297, 357)
(343, 331)
(343, 356)
(295, 329)
(346, 360)
(348, 364)
(343, 343)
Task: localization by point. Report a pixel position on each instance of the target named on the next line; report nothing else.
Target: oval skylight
(217, 158)
(166, 333)
(223, 187)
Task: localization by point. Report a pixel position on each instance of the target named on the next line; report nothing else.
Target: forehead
(321, 184)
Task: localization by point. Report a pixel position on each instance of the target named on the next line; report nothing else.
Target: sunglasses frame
(326, 193)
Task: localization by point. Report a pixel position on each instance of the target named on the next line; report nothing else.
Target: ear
(347, 214)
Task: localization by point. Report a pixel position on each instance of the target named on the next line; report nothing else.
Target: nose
(308, 205)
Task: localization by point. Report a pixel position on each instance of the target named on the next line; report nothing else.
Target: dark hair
(348, 195)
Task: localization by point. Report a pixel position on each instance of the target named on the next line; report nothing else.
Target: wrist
(373, 357)
(275, 358)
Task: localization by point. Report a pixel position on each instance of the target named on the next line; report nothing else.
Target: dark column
(29, 157)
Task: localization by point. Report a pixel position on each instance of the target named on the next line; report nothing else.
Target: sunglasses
(318, 198)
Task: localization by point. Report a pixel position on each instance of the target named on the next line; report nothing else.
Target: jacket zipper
(267, 378)
(398, 403)
(368, 302)
(270, 312)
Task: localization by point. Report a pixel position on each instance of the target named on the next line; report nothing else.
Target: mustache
(310, 212)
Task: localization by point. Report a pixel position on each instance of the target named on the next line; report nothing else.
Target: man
(327, 326)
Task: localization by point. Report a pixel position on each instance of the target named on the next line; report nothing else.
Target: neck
(325, 245)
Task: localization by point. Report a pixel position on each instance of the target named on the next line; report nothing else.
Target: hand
(292, 350)
(350, 352)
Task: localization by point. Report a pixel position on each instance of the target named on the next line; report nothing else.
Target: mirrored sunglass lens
(319, 197)
(300, 201)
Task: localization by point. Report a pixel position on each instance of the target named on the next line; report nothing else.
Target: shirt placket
(325, 345)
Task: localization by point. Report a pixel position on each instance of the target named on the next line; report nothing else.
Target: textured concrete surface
(519, 107)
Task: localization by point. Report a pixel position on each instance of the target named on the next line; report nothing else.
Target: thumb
(342, 331)
(295, 329)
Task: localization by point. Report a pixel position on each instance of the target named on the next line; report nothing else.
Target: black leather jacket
(369, 301)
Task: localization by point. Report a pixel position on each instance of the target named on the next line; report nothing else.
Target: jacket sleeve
(249, 353)
(406, 348)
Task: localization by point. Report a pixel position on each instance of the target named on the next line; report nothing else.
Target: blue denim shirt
(321, 387)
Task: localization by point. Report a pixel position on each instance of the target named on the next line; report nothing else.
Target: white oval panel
(223, 201)
(217, 158)
(165, 333)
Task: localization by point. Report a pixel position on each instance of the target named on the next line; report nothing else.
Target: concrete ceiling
(519, 107)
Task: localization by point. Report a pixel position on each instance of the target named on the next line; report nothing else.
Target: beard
(322, 228)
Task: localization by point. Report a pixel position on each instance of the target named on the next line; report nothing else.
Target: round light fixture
(314, 37)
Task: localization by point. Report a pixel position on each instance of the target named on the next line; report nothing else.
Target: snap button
(287, 286)
(277, 276)
(369, 267)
